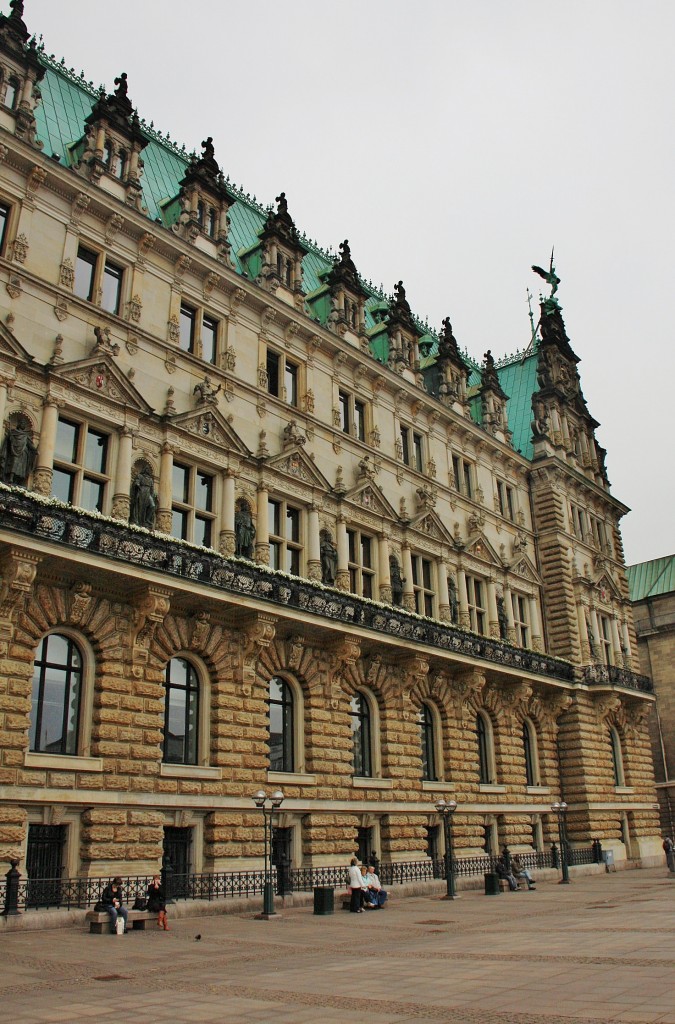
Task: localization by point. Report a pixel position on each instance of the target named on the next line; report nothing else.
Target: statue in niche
(502, 619)
(396, 580)
(143, 507)
(591, 641)
(244, 531)
(454, 604)
(329, 559)
(18, 454)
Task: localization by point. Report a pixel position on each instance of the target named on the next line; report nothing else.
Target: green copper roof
(651, 579)
(68, 99)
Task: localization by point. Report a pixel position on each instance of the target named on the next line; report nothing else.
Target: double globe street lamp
(559, 808)
(446, 808)
(269, 806)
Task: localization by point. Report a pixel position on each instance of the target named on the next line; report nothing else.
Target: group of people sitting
(112, 901)
(365, 888)
(512, 870)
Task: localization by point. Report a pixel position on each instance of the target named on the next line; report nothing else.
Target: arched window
(617, 756)
(282, 754)
(10, 93)
(427, 726)
(201, 211)
(530, 751)
(118, 164)
(57, 689)
(108, 154)
(361, 736)
(181, 713)
(213, 222)
(485, 750)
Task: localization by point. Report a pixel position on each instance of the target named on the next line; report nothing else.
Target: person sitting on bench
(157, 902)
(112, 899)
(376, 896)
(505, 873)
(521, 872)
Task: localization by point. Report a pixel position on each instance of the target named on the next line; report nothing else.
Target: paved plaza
(600, 949)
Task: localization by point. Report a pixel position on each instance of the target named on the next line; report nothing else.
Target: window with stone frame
(56, 696)
(283, 377)
(506, 500)
(361, 564)
(352, 415)
(181, 713)
(281, 726)
(285, 536)
(116, 159)
(427, 726)
(463, 474)
(11, 90)
(606, 646)
(198, 332)
(412, 448)
(193, 504)
(530, 753)
(521, 621)
(362, 739)
(485, 741)
(617, 756)
(98, 279)
(80, 473)
(476, 592)
(423, 584)
(5, 211)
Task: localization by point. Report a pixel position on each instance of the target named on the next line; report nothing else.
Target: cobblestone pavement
(598, 950)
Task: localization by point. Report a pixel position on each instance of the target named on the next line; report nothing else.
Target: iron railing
(607, 674)
(69, 527)
(83, 893)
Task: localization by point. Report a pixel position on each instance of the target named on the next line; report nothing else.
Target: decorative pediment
(209, 425)
(481, 548)
(99, 375)
(430, 524)
(606, 588)
(369, 496)
(9, 346)
(524, 568)
(296, 463)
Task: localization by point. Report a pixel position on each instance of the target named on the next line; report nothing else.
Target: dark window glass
(202, 532)
(200, 213)
(291, 383)
(274, 518)
(179, 524)
(55, 704)
(360, 420)
(360, 716)
(118, 164)
(112, 288)
(293, 525)
(405, 445)
(187, 328)
(209, 338)
(351, 538)
(85, 273)
(426, 723)
(4, 218)
(10, 94)
(276, 550)
(63, 485)
(366, 552)
(67, 435)
(530, 775)
(417, 444)
(213, 221)
(181, 482)
(281, 726)
(343, 406)
(467, 479)
(483, 752)
(96, 451)
(92, 494)
(203, 491)
(615, 745)
(181, 715)
(273, 373)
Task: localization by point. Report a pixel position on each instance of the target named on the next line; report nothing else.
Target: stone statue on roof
(122, 87)
(282, 203)
(209, 151)
(549, 276)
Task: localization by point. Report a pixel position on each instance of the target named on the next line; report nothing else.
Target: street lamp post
(447, 808)
(268, 805)
(559, 808)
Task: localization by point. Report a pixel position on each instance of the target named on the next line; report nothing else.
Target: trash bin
(324, 899)
(492, 884)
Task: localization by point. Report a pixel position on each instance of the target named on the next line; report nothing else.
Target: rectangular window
(361, 564)
(343, 406)
(112, 288)
(283, 378)
(85, 273)
(520, 620)
(475, 596)
(505, 500)
(352, 415)
(423, 588)
(192, 505)
(4, 220)
(80, 475)
(605, 639)
(284, 536)
(412, 451)
(188, 320)
(462, 472)
(209, 339)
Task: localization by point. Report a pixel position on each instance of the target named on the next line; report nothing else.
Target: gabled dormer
(448, 375)
(404, 334)
(282, 253)
(109, 154)
(20, 72)
(493, 401)
(347, 295)
(204, 201)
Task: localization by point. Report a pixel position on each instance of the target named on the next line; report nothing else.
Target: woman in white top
(357, 885)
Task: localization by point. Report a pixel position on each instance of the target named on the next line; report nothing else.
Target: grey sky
(453, 143)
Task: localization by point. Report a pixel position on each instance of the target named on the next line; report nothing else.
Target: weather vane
(549, 276)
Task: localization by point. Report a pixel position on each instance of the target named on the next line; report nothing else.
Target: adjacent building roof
(651, 579)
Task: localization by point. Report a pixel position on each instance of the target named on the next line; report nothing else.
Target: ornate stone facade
(345, 574)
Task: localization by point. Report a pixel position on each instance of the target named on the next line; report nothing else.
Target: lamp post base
(267, 917)
(448, 897)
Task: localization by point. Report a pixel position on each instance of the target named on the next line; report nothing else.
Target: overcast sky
(453, 143)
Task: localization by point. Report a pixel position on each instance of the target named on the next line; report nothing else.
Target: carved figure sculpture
(143, 499)
(396, 580)
(454, 604)
(244, 531)
(17, 456)
(329, 559)
(292, 435)
(205, 392)
(501, 616)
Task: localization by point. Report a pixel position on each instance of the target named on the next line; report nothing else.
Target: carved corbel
(114, 224)
(258, 633)
(17, 573)
(606, 705)
(467, 689)
(78, 207)
(551, 708)
(295, 648)
(344, 654)
(236, 300)
(181, 266)
(636, 716)
(201, 628)
(80, 601)
(151, 610)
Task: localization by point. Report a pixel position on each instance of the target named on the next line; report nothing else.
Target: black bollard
(555, 863)
(12, 891)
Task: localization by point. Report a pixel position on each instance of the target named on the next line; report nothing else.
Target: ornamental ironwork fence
(84, 893)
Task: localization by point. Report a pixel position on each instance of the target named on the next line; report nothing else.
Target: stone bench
(99, 920)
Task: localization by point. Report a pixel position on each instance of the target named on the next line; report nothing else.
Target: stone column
(342, 579)
(595, 629)
(535, 625)
(464, 617)
(165, 489)
(385, 577)
(493, 615)
(508, 608)
(3, 398)
(583, 634)
(313, 545)
(121, 498)
(616, 642)
(443, 592)
(227, 539)
(262, 533)
(408, 592)
(42, 477)
(626, 644)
